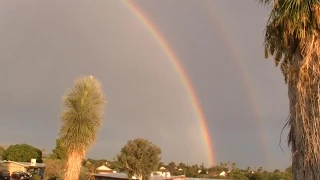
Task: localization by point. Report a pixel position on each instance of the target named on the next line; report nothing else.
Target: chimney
(33, 162)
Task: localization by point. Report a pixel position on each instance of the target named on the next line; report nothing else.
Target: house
(123, 176)
(223, 174)
(164, 173)
(32, 166)
(103, 170)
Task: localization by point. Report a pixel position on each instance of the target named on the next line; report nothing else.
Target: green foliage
(279, 176)
(238, 175)
(234, 166)
(203, 169)
(22, 153)
(276, 175)
(116, 165)
(84, 173)
(59, 152)
(35, 177)
(257, 176)
(139, 157)
(1, 150)
(54, 169)
(161, 164)
(216, 169)
(290, 25)
(81, 118)
(92, 164)
(288, 170)
(171, 167)
(182, 165)
(95, 162)
(192, 171)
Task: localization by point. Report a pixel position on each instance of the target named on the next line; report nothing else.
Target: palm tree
(293, 37)
(81, 120)
(234, 166)
(249, 169)
(43, 151)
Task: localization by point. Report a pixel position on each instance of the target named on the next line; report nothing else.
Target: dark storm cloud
(45, 45)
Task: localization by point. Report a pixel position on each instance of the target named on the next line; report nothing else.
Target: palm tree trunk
(303, 92)
(73, 166)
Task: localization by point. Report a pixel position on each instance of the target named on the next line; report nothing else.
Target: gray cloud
(45, 45)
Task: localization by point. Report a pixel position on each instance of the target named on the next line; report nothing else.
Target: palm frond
(83, 109)
(291, 23)
(265, 2)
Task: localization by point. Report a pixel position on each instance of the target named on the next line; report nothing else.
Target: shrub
(35, 177)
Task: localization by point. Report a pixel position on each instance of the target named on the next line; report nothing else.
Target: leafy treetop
(1, 150)
(59, 152)
(22, 153)
(139, 157)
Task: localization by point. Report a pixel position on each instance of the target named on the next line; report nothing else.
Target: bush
(22, 153)
(54, 169)
(35, 177)
(84, 174)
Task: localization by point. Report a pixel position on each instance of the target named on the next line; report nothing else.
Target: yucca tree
(292, 38)
(81, 120)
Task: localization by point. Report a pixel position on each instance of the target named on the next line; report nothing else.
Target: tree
(1, 150)
(192, 171)
(181, 168)
(277, 171)
(292, 36)
(224, 166)
(161, 164)
(234, 166)
(43, 151)
(59, 152)
(288, 170)
(84, 174)
(35, 177)
(276, 175)
(238, 175)
(139, 157)
(257, 176)
(171, 167)
(22, 153)
(81, 120)
(55, 168)
(203, 169)
(182, 165)
(215, 169)
(249, 169)
(116, 165)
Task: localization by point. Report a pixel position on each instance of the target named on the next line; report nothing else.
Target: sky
(46, 45)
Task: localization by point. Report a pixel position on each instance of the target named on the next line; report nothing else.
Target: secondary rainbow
(183, 75)
(246, 78)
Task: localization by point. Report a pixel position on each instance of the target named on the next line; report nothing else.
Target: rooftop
(103, 168)
(114, 175)
(25, 164)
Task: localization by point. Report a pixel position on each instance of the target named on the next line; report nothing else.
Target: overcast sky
(45, 45)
